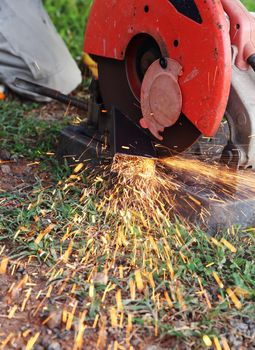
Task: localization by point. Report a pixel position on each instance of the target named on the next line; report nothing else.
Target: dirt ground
(41, 310)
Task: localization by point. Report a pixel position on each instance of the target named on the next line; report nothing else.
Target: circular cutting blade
(116, 91)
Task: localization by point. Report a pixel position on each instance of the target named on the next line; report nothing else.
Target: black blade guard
(129, 138)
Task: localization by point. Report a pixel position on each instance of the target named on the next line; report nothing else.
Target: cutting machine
(170, 70)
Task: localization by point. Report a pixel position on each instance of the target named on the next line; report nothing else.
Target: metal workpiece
(216, 216)
(26, 85)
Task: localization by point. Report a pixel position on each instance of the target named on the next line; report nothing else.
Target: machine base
(79, 143)
(77, 146)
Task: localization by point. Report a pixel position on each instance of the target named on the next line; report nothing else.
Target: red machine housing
(200, 45)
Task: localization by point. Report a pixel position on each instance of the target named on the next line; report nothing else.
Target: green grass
(250, 4)
(23, 134)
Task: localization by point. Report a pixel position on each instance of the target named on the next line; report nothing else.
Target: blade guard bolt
(163, 62)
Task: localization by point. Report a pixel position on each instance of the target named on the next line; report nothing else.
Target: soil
(19, 176)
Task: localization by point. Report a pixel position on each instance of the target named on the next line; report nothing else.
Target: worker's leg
(30, 48)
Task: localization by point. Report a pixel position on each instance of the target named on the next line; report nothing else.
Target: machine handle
(242, 31)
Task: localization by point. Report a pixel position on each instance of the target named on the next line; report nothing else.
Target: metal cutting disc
(116, 92)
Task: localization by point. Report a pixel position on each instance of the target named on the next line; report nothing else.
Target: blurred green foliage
(250, 4)
(69, 17)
